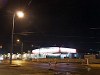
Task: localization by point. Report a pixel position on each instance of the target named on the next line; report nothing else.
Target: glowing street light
(20, 14)
(18, 40)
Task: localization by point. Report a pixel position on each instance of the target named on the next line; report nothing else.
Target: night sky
(67, 23)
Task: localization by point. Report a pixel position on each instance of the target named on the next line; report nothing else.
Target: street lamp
(21, 47)
(20, 14)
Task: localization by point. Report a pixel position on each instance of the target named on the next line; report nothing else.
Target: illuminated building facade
(47, 52)
(54, 52)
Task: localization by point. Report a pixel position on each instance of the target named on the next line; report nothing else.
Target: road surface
(47, 69)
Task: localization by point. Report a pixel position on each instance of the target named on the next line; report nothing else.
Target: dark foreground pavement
(25, 68)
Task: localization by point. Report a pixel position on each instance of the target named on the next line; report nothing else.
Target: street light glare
(20, 14)
(18, 40)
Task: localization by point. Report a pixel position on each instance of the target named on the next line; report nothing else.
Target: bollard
(87, 61)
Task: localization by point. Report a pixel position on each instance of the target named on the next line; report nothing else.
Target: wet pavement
(49, 69)
(70, 69)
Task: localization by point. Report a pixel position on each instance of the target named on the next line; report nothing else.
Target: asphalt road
(47, 69)
(23, 70)
(69, 69)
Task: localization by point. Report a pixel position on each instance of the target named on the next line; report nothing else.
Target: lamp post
(20, 14)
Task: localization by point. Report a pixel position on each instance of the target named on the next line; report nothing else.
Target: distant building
(54, 52)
